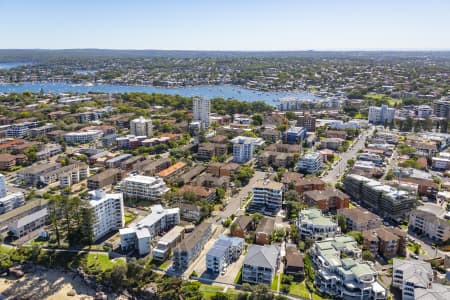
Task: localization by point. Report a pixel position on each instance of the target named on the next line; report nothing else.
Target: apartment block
(224, 251)
(207, 151)
(308, 122)
(310, 163)
(11, 201)
(312, 224)
(141, 127)
(294, 135)
(344, 278)
(189, 249)
(429, 219)
(381, 115)
(83, 137)
(66, 175)
(201, 111)
(260, 264)
(327, 200)
(386, 200)
(244, 148)
(29, 223)
(104, 178)
(441, 109)
(32, 175)
(139, 236)
(267, 197)
(108, 211)
(409, 275)
(388, 242)
(360, 219)
(143, 187)
(167, 242)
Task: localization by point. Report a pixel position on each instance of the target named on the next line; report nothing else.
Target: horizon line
(234, 50)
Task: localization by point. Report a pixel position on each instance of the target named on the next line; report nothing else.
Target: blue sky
(226, 24)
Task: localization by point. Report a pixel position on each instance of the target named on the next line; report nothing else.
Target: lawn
(129, 218)
(275, 282)
(299, 289)
(99, 261)
(238, 279)
(164, 265)
(209, 290)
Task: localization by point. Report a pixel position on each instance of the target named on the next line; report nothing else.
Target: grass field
(299, 289)
(209, 290)
(238, 279)
(129, 218)
(100, 261)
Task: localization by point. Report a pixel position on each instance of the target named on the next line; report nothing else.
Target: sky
(226, 25)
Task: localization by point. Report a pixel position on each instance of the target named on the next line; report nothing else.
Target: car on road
(413, 255)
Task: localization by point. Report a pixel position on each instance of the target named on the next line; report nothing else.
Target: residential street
(340, 166)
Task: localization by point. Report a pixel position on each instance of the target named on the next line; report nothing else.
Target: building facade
(310, 163)
(381, 115)
(267, 197)
(201, 111)
(143, 187)
(141, 127)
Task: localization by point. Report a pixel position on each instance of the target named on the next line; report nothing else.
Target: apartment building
(224, 251)
(429, 219)
(326, 200)
(310, 163)
(104, 178)
(7, 161)
(19, 130)
(294, 135)
(388, 242)
(3, 187)
(153, 167)
(201, 111)
(108, 212)
(41, 130)
(83, 137)
(189, 249)
(331, 143)
(207, 151)
(49, 150)
(32, 175)
(244, 147)
(412, 275)
(267, 197)
(308, 122)
(360, 219)
(271, 135)
(139, 236)
(441, 109)
(143, 187)
(115, 162)
(66, 175)
(381, 115)
(11, 201)
(312, 224)
(167, 242)
(260, 264)
(191, 212)
(386, 200)
(141, 127)
(345, 278)
(29, 223)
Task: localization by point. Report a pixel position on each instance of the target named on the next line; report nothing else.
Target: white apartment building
(141, 127)
(108, 210)
(140, 236)
(381, 115)
(201, 111)
(424, 111)
(3, 188)
(143, 187)
(347, 278)
(244, 147)
(310, 163)
(82, 137)
(429, 219)
(312, 224)
(267, 197)
(19, 130)
(411, 276)
(29, 223)
(225, 250)
(11, 201)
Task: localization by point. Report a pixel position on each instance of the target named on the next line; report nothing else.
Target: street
(352, 152)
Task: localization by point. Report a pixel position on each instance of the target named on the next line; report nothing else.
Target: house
(260, 264)
(264, 231)
(294, 264)
(360, 219)
(189, 249)
(241, 225)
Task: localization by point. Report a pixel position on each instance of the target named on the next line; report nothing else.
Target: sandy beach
(46, 284)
